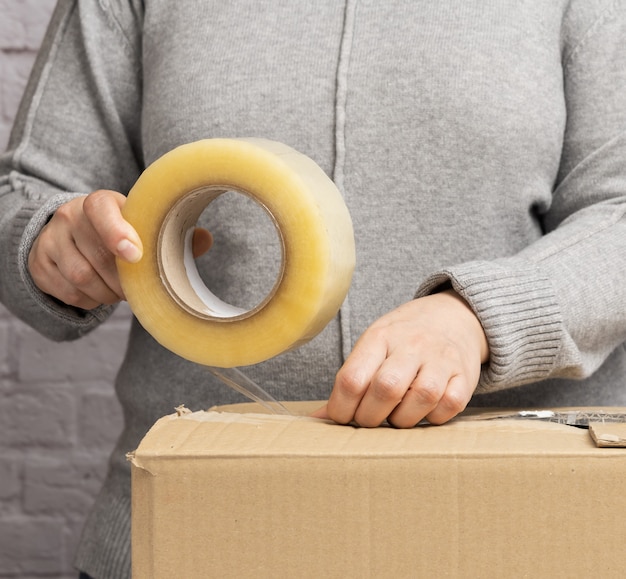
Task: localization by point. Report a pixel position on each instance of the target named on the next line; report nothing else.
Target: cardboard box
(239, 493)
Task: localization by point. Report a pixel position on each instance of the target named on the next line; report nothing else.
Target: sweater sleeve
(556, 309)
(77, 130)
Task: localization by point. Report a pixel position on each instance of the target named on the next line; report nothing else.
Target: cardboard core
(177, 265)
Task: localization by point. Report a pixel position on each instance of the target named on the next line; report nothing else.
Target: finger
(101, 260)
(48, 278)
(387, 389)
(60, 270)
(321, 413)
(353, 379)
(82, 260)
(103, 210)
(79, 273)
(453, 402)
(422, 397)
(201, 242)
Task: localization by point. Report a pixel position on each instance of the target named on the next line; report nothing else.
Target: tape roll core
(180, 275)
(164, 289)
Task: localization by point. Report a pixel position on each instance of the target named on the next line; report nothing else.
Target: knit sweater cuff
(518, 310)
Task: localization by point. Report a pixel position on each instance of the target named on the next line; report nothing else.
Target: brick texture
(59, 417)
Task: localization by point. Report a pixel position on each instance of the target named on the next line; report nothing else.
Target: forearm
(556, 308)
(77, 131)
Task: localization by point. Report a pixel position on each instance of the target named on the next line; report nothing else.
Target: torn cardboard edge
(608, 435)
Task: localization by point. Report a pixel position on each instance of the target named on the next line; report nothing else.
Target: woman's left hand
(421, 360)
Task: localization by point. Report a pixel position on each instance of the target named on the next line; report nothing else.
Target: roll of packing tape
(164, 289)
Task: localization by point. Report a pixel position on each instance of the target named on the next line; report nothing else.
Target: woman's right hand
(73, 258)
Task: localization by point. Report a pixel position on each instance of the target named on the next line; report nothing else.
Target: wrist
(472, 321)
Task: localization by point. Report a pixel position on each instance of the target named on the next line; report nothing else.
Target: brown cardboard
(608, 435)
(247, 494)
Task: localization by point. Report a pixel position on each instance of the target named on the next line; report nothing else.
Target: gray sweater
(477, 143)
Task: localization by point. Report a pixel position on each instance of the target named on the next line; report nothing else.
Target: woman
(479, 147)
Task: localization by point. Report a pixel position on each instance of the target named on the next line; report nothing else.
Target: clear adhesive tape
(164, 289)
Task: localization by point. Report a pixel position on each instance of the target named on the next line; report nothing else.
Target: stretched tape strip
(167, 295)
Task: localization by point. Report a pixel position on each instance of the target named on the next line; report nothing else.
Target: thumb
(103, 209)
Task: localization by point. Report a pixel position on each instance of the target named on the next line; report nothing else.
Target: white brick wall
(58, 414)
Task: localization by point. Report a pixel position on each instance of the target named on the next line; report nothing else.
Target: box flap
(252, 432)
(608, 435)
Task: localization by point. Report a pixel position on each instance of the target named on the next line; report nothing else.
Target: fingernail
(129, 251)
